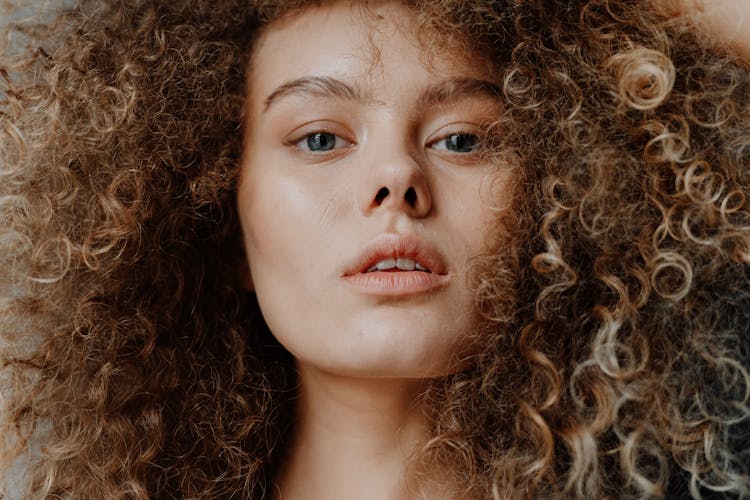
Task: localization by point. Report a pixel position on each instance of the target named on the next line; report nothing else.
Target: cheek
(273, 210)
(275, 215)
(287, 226)
(471, 211)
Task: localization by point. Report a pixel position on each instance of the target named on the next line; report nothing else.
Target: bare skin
(354, 137)
(354, 439)
(727, 20)
(363, 358)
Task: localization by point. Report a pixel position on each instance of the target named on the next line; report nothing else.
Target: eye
(321, 142)
(457, 143)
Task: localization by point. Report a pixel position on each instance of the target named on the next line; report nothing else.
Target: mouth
(397, 264)
(393, 253)
(394, 265)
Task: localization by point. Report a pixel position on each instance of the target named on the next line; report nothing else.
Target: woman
(382, 250)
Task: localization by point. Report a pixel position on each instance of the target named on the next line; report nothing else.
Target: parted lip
(391, 246)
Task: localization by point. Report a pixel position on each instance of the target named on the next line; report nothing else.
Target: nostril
(411, 197)
(381, 195)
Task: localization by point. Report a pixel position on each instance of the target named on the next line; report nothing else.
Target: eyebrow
(444, 91)
(456, 89)
(320, 86)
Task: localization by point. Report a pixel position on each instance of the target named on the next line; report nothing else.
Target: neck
(353, 437)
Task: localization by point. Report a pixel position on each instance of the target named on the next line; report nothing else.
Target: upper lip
(391, 246)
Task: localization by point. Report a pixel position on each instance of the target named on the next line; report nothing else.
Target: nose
(397, 183)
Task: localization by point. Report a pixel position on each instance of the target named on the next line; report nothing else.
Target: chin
(393, 357)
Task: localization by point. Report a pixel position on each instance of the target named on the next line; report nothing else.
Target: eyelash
(322, 138)
(474, 140)
(318, 136)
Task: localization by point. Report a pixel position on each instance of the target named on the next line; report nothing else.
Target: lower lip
(397, 283)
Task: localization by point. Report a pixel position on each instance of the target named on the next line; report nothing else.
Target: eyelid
(475, 157)
(317, 153)
(443, 138)
(302, 132)
(318, 126)
(458, 128)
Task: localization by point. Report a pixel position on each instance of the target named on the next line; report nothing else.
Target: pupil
(321, 141)
(462, 143)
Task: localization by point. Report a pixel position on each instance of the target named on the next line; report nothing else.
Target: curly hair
(133, 364)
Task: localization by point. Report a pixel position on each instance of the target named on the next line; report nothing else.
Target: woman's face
(361, 154)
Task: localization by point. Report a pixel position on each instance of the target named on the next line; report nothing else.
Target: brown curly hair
(133, 364)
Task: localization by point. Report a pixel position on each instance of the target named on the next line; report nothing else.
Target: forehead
(380, 40)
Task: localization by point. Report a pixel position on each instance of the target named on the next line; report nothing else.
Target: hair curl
(133, 365)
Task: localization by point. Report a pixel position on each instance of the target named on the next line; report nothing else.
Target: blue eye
(321, 142)
(458, 143)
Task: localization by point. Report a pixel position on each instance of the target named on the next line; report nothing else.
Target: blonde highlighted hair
(615, 355)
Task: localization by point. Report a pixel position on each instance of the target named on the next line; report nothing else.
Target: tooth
(405, 264)
(420, 267)
(386, 264)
